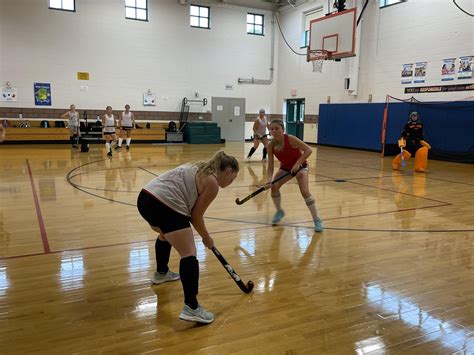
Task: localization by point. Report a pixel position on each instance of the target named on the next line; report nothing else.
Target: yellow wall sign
(82, 76)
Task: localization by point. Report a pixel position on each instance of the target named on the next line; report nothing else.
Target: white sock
(311, 203)
(120, 142)
(277, 200)
(129, 140)
(107, 147)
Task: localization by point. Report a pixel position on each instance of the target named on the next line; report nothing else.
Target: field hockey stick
(403, 156)
(255, 193)
(245, 288)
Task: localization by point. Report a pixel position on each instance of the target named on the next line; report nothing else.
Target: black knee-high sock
(264, 153)
(252, 150)
(189, 273)
(162, 254)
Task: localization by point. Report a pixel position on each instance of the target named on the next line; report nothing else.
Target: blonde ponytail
(219, 162)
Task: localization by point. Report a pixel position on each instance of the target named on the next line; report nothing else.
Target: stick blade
(250, 286)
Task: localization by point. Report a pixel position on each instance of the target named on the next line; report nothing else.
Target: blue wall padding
(351, 125)
(448, 127)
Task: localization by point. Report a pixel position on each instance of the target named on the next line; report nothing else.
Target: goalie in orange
(412, 143)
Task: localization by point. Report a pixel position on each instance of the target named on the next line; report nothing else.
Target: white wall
(125, 58)
(414, 31)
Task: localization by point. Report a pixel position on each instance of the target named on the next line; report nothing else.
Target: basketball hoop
(318, 56)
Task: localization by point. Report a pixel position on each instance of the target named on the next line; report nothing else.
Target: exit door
(295, 117)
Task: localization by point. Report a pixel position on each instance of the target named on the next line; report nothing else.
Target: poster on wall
(149, 99)
(420, 72)
(42, 94)
(465, 67)
(407, 73)
(448, 70)
(9, 94)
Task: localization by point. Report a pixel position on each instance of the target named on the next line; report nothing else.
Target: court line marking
(39, 215)
(401, 173)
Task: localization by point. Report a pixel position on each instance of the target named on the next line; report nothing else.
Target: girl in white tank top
(73, 124)
(127, 122)
(108, 126)
(260, 134)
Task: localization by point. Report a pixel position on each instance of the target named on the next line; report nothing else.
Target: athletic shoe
(109, 154)
(118, 147)
(159, 278)
(278, 216)
(196, 315)
(318, 225)
(128, 147)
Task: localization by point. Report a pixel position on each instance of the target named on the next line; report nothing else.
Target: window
(255, 24)
(307, 18)
(66, 5)
(136, 10)
(200, 16)
(384, 3)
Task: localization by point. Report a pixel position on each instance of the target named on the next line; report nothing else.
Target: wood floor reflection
(393, 272)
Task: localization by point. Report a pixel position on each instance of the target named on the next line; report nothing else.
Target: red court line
(44, 236)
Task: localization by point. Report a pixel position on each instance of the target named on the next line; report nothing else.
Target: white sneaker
(159, 278)
(196, 315)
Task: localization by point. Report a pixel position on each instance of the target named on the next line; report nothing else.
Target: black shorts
(157, 214)
(303, 166)
(126, 128)
(260, 137)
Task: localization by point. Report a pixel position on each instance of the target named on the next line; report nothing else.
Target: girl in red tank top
(292, 154)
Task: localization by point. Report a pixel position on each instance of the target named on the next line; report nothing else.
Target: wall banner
(465, 67)
(448, 69)
(42, 94)
(407, 73)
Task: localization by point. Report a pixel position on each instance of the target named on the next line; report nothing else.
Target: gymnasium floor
(393, 271)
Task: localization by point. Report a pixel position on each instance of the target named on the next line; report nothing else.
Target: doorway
(295, 117)
(229, 114)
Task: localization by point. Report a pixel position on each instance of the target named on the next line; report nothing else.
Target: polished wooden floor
(393, 271)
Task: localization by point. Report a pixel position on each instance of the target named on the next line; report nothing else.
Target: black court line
(428, 176)
(441, 204)
(389, 190)
(112, 245)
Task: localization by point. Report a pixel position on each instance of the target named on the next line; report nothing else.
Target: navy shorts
(157, 214)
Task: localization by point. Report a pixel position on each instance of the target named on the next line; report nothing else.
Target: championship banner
(420, 72)
(407, 73)
(448, 70)
(465, 67)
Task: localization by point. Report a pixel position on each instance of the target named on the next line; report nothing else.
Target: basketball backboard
(334, 33)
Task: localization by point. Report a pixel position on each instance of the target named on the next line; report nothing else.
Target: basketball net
(318, 56)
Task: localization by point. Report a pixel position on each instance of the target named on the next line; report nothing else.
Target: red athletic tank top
(288, 155)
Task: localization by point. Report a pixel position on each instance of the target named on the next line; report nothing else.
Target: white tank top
(73, 118)
(109, 123)
(126, 119)
(262, 125)
(176, 188)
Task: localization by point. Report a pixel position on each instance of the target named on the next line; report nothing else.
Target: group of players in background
(126, 122)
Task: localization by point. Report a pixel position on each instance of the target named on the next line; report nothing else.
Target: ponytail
(219, 162)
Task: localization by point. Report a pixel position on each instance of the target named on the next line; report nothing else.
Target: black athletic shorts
(157, 214)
